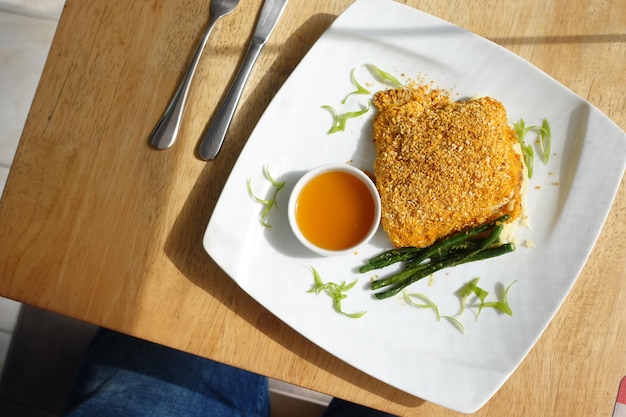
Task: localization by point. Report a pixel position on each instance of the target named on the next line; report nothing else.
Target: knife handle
(213, 137)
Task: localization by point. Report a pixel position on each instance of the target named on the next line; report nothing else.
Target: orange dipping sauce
(335, 210)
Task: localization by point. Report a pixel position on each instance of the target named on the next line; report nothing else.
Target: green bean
(397, 277)
(428, 269)
(490, 253)
(390, 257)
(440, 249)
(455, 252)
(462, 247)
(419, 274)
(443, 245)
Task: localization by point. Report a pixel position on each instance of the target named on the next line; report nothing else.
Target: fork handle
(164, 134)
(214, 136)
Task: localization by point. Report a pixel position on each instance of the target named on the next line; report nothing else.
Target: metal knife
(213, 138)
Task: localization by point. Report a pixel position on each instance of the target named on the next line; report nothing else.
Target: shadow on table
(184, 243)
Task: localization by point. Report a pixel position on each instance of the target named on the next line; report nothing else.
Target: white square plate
(567, 202)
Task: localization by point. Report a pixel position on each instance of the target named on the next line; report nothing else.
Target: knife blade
(213, 137)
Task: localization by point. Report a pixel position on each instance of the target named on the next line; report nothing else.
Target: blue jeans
(122, 376)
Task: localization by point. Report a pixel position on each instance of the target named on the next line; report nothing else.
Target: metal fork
(214, 136)
(167, 128)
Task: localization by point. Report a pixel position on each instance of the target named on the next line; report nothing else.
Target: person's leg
(341, 408)
(126, 377)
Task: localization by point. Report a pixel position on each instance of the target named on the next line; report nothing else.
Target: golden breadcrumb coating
(442, 166)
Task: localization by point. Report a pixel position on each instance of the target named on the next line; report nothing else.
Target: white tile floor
(26, 31)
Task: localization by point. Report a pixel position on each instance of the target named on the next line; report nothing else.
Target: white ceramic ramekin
(305, 179)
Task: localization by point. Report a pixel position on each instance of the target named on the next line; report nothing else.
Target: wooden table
(98, 226)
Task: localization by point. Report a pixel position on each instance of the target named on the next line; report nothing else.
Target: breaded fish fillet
(442, 166)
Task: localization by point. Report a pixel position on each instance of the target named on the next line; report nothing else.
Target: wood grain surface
(98, 226)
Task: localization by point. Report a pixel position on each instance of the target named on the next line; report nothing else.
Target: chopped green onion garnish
(383, 76)
(527, 150)
(529, 158)
(472, 288)
(422, 297)
(268, 204)
(520, 129)
(339, 120)
(359, 88)
(468, 288)
(335, 291)
(545, 140)
(465, 292)
(455, 322)
(502, 305)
